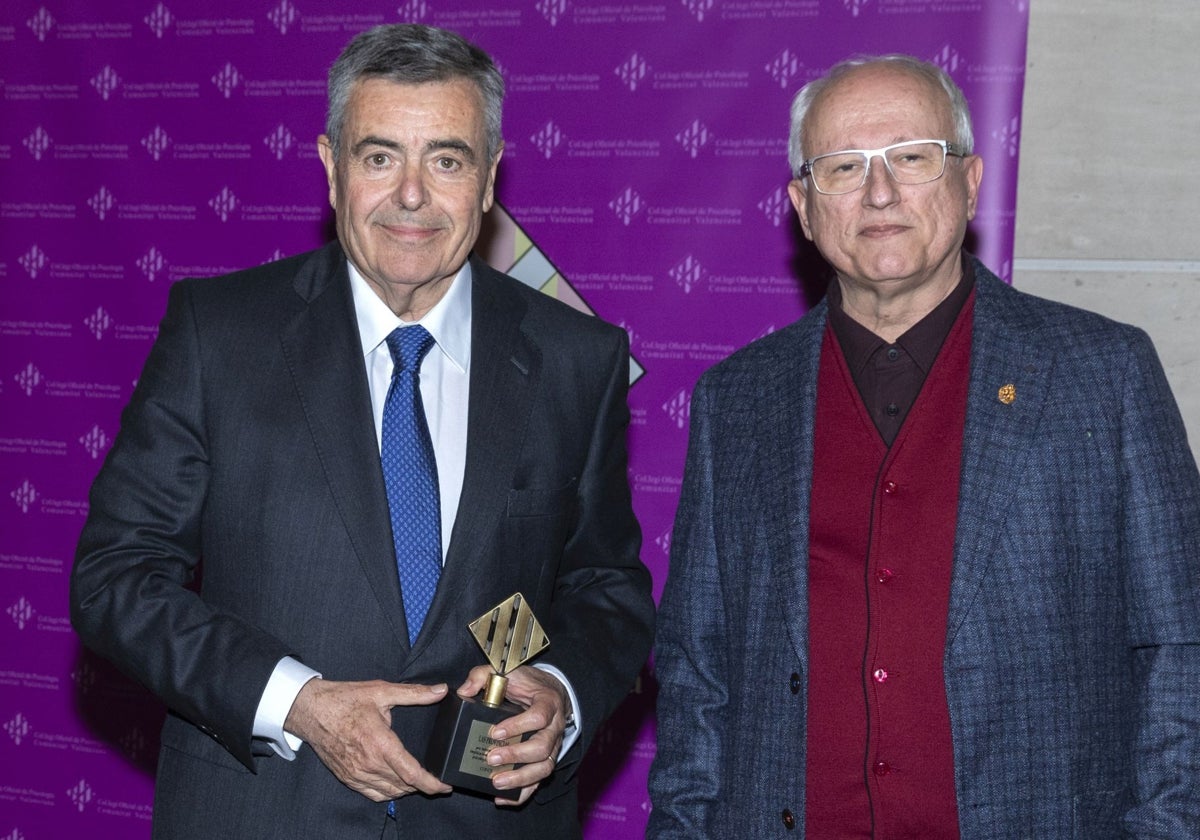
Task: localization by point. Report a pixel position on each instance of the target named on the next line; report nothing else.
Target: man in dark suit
(936, 568)
(303, 673)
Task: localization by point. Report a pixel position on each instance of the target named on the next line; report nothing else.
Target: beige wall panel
(1110, 147)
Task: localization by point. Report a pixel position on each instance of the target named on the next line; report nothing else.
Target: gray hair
(931, 73)
(413, 54)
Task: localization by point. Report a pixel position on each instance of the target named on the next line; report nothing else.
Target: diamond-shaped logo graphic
(948, 59)
(1010, 136)
(687, 273)
(37, 143)
(151, 263)
(18, 728)
(664, 541)
(626, 205)
(84, 676)
(227, 79)
(547, 139)
(105, 82)
(283, 16)
(33, 261)
(41, 23)
(28, 378)
(159, 20)
(552, 10)
(81, 794)
(699, 8)
(24, 496)
(679, 408)
(413, 11)
(21, 612)
(854, 6)
(95, 441)
(102, 203)
(279, 141)
(156, 142)
(693, 138)
(224, 203)
(98, 322)
(633, 71)
(775, 206)
(133, 744)
(784, 68)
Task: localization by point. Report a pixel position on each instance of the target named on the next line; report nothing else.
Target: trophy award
(510, 636)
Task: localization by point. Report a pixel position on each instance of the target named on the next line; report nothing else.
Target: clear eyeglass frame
(886, 153)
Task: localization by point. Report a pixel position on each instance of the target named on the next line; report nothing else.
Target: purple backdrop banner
(644, 179)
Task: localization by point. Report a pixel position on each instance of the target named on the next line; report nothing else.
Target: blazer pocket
(538, 502)
(187, 739)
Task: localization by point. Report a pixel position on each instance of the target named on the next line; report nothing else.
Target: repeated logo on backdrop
(644, 180)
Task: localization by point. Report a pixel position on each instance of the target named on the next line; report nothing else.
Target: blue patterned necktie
(410, 474)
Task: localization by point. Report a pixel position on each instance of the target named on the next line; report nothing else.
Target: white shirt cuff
(571, 733)
(289, 676)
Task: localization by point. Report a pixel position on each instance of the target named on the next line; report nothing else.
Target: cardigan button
(884, 575)
(890, 487)
(795, 683)
(881, 768)
(789, 820)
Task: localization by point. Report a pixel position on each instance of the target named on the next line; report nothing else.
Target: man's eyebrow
(454, 145)
(371, 140)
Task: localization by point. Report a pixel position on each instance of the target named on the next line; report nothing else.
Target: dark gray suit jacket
(1072, 660)
(247, 459)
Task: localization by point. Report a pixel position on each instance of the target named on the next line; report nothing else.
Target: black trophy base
(457, 752)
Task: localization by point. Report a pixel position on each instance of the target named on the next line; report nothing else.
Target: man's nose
(411, 190)
(880, 188)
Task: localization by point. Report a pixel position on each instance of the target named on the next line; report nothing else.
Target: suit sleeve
(686, 777)
(1162, 556)
(603, 617)
(133, 598)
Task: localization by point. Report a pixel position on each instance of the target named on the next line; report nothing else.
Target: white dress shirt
(445, 392)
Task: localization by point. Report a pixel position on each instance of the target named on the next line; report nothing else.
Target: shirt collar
(449, 321)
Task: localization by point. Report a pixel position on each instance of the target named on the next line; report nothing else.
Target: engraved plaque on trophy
(510, 636)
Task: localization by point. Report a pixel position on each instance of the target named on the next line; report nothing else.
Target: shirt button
(890, 487)
(880, 675)
(789, 820)
(892, 410)
(881, 768)
(884, 575)
(893, 354)
(795, 683)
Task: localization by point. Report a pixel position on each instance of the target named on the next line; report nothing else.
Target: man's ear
(798, 192)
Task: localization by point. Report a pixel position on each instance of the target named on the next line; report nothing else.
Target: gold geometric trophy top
(509, 634)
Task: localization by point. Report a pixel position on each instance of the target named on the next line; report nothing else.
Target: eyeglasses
(910, 162)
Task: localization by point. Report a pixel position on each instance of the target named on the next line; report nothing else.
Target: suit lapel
(505, 369)
(788, 413)
(324, 356)
(998, 434)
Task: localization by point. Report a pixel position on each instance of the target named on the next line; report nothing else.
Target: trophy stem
(493, 695)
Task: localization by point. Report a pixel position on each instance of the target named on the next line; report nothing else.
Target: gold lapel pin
(1008, 394)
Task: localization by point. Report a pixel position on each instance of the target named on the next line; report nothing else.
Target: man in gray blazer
(936, 568)
(245, 553)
